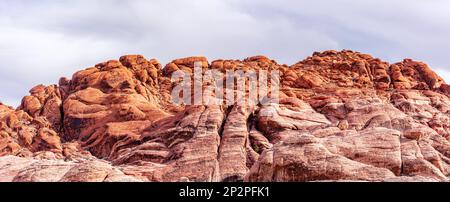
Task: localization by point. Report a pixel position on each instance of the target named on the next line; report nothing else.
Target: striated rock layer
(341, 116)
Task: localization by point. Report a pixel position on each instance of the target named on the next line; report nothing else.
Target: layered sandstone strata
(340, 116)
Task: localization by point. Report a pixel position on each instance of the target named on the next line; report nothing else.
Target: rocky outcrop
(341, 115)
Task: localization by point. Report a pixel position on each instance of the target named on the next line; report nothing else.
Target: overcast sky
(43, 40)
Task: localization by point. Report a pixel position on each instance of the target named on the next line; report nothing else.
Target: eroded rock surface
(341, 116)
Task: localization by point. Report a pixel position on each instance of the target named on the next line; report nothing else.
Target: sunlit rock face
(340, 116)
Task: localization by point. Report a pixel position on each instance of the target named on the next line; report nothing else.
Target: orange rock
(342, 115)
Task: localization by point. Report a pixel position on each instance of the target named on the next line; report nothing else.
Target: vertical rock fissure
(61, 122)
(227, 111)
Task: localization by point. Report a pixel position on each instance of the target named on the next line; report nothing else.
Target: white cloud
(40, 41)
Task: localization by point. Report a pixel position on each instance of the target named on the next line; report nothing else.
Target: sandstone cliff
(341, 116)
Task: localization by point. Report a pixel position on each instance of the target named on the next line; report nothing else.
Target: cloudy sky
(43, 40)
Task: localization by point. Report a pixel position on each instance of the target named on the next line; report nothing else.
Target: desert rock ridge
(342, 116)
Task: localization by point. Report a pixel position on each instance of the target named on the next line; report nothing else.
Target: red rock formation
(341, 116)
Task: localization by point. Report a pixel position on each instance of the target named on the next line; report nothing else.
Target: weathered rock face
(340, 116)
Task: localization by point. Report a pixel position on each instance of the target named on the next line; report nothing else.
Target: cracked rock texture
(342, 116)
